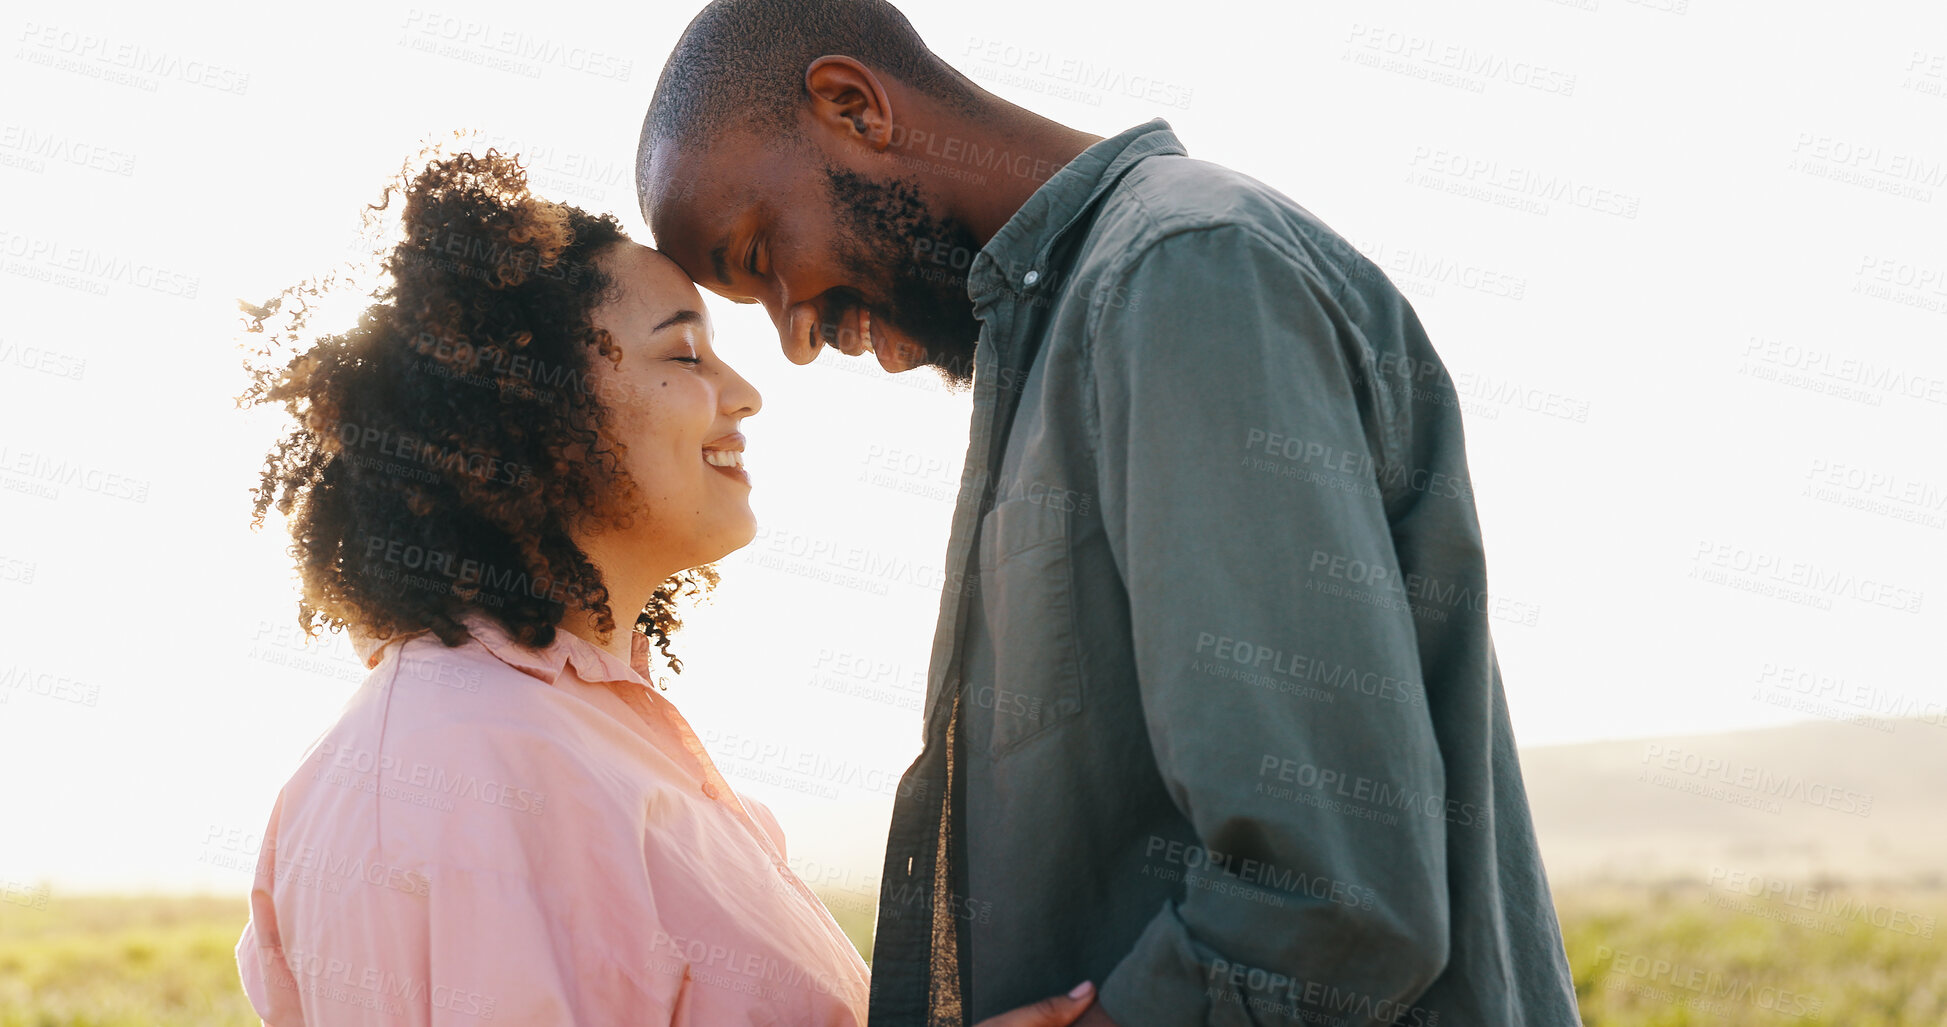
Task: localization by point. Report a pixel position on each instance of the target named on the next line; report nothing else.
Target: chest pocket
(1027, 596)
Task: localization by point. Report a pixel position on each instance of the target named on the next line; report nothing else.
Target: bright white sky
(1756, 357)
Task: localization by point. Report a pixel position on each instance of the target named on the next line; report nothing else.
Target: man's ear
(849, 101)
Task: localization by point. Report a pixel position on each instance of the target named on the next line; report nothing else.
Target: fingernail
(1081, 990)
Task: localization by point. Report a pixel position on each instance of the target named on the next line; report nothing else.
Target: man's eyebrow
(719, 258)
(680, 317)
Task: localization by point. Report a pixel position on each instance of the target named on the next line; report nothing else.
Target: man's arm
(1275, 647)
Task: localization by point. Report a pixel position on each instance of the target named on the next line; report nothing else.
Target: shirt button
(1030, 278)
(709, 789)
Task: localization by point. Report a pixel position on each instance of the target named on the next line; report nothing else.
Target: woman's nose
(739, 397)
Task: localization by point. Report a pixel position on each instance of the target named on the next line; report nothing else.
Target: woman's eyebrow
(684, 316)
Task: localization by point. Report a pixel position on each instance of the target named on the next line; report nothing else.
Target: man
(1213, 716)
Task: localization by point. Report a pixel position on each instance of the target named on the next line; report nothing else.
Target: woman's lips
(727, 456)
(735, 471)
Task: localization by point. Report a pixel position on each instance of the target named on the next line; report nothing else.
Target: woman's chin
(731, 534)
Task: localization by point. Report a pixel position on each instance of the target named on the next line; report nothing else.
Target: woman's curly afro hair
(442, 446)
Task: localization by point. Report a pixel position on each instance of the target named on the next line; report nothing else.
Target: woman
(525, 432)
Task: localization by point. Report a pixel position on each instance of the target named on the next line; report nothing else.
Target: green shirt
(1213, 716)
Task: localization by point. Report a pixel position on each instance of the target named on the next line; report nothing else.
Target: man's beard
(891, 240)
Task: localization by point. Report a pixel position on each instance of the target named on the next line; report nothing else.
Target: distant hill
(1853, 802)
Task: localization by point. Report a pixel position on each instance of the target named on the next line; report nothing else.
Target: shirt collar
(1023, 243)
(591, 663)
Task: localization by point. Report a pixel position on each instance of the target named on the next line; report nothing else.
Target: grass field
(1643, 957)
(1674, 957)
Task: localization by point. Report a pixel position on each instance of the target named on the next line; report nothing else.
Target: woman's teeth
(865, 328)
(723, 457)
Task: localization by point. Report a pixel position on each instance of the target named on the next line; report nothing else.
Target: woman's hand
(1053, 1011)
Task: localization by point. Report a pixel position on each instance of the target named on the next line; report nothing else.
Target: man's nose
(798, 334)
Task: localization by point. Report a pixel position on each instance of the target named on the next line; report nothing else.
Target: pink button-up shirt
(495, 834)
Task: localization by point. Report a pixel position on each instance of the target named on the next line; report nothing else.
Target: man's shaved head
(741, 65)
(791, 156)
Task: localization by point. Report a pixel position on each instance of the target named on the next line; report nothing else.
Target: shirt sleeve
(1275, 649)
